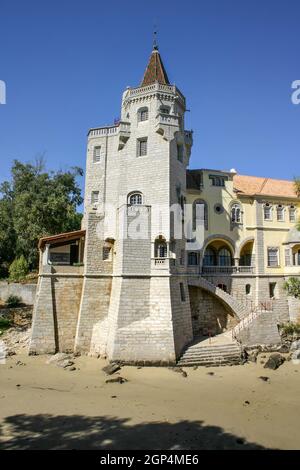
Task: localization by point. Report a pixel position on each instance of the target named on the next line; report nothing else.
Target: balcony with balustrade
(121, 129)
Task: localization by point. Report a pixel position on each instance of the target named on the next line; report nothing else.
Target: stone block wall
(263, 330)
(55, 313)
(208, 313)
(141, 327)
(27, 292)
(92, 327)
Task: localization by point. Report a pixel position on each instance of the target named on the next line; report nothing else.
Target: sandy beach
(43, 406)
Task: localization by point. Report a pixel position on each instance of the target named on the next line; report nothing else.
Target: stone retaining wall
(25, 291)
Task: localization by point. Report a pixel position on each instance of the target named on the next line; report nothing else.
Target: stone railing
(103, 131)
(227, 270)
(155, 87)
(162, 263)
(167, 119)
(121, 127)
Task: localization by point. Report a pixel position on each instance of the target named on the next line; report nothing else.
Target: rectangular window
(292, 214)
(144, 115)
(95, 197)
(272, 289)
(218, 180)
(182, 292)
(287, 255)
(142, 147)
(106, 253)
(97, 154)
(280, 213)
(267, 212)
(193, 259)
(273, 257)
(182, 257)
(180, 152)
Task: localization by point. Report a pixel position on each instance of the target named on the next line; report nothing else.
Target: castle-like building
(166, 255)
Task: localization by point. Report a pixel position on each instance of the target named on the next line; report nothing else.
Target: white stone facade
(129, 300)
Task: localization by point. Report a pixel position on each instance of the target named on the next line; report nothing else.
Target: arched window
(143, 114)
(210, 257)
(224, 257)
(200, 214)
(193, 259)
(236, 214)
(267, 211)
(280, 213)
(135, 199)
(160, 247)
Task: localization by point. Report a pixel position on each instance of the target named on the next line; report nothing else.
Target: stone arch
(243, 244)
(218, 237)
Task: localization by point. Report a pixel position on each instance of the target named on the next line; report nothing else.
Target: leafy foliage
(13, 301)
(289, 328)
(292, 286)
(18, 269)
(36, 203)
(297, 186)
(4, 325)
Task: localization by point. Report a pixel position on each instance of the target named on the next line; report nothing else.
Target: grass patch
(4, 325)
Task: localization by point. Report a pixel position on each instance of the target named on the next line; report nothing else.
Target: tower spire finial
(155, 45)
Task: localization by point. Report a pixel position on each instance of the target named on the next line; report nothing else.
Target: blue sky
(66, 64)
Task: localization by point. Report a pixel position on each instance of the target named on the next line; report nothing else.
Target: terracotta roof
(155, 71)
(254, 186)
(61, 236)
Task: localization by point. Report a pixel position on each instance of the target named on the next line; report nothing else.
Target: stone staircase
(240, 310)
(220, 351)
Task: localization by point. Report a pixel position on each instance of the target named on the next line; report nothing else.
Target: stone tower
(135, 286)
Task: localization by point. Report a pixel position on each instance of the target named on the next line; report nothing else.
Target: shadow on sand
(44, 431)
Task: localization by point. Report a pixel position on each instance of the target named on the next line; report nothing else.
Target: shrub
(289, 328)
(18, 269)
(13, 301)
(4, 325)
(292, 286)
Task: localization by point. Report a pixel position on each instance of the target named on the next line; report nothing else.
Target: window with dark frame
(273, 257)
(142, 147)
(97, 154)
(182, 292)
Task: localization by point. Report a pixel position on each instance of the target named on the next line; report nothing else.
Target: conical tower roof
(155, 71)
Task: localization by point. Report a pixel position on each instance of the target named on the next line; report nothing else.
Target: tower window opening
(142, 147)
(135, 199)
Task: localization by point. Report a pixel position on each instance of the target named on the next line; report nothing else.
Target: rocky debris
(20, 363)
(264, 378)
(16, 340)
(284, 348)
(275, 360)
(295, 345)
(210, 373)
(246, 402)
(296, 356)
(111, 368)
(61, 360)
(179, 370)
(252, 355)
(118, 379)
(72, 369)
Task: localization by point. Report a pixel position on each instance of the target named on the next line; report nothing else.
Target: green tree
(292, 286)
(18, 269)
(36, 203)
(297, 186)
